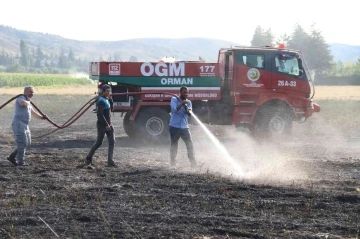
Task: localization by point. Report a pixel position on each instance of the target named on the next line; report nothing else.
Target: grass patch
(22, 200)
(337, 92)
(23, 79)
(70, 90)
(337, 117)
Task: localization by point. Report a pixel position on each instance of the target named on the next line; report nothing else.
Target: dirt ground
(304, 187)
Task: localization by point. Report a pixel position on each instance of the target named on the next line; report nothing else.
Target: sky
(231, 20)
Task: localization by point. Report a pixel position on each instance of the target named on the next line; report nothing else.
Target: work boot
(112, 164)
(88, 161)
(23, 164)
(12, 160)
(90, 166)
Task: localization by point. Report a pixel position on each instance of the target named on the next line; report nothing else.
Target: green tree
(3, 57)
(24, 59)
(39, 56)
(133, 59)
(258, 37)
(357, 67)
(299, 39)
(32, 57)
(269, 37)
(15, 69)
(116, 57)
(71, 56)
(319, 53)
(62, 59)
(262, 37)
(313, 47)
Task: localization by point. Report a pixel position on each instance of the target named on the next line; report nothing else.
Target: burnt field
(304, 187)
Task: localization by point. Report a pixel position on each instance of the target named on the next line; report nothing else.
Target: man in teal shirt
(179, 127)
(104, 126)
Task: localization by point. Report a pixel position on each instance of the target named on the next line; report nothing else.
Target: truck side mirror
(300, 64)
(301, 73)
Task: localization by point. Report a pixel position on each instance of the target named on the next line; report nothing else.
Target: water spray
(239, 172)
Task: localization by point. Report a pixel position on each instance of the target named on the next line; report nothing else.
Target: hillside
(144, 49)
(148, 49)
(342, 52)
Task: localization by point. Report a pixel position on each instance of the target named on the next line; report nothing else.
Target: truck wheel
(273, 121)
(152, 124)
(128, 125)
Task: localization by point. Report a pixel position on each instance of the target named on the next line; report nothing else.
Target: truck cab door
(252, 74)
(287, 73)
(228, 78)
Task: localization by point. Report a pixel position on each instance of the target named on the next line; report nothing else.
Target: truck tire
(273, 121)
(128, 125)
(152, 124)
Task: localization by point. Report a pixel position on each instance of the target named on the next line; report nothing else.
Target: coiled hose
(79, 113)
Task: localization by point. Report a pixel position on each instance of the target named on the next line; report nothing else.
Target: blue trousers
(22, 138)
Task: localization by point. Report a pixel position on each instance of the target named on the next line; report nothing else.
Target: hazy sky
(233, 20)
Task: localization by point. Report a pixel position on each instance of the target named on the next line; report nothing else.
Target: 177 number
(207, 68)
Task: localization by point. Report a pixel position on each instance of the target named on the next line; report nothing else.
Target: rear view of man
(20, 126)
(179, 127)
(104, 126)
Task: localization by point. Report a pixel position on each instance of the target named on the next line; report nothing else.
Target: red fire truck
(264, 89)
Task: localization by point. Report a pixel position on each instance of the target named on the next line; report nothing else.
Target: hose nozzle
(187, 110)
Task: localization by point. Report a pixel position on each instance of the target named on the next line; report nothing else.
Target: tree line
(313, 46)
(311, 43)
(34, 60)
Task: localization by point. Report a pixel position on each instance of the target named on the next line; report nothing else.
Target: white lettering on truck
(161, 69)
(177, 81)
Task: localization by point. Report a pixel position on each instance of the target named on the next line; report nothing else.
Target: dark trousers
(184, 134)
(101, 131)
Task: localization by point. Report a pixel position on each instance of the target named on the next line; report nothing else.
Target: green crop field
(23, 79)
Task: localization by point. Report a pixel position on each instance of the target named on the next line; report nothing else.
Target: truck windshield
(287, 64)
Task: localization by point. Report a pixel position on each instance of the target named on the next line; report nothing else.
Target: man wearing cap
(104, 126)
(20, 126)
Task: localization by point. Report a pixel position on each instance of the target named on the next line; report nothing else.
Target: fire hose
(79, 113)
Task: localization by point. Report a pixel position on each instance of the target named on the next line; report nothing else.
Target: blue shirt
(105, 101)
(179, 119)
(103, 111)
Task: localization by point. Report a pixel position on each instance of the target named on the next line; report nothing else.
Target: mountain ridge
(145, 49)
